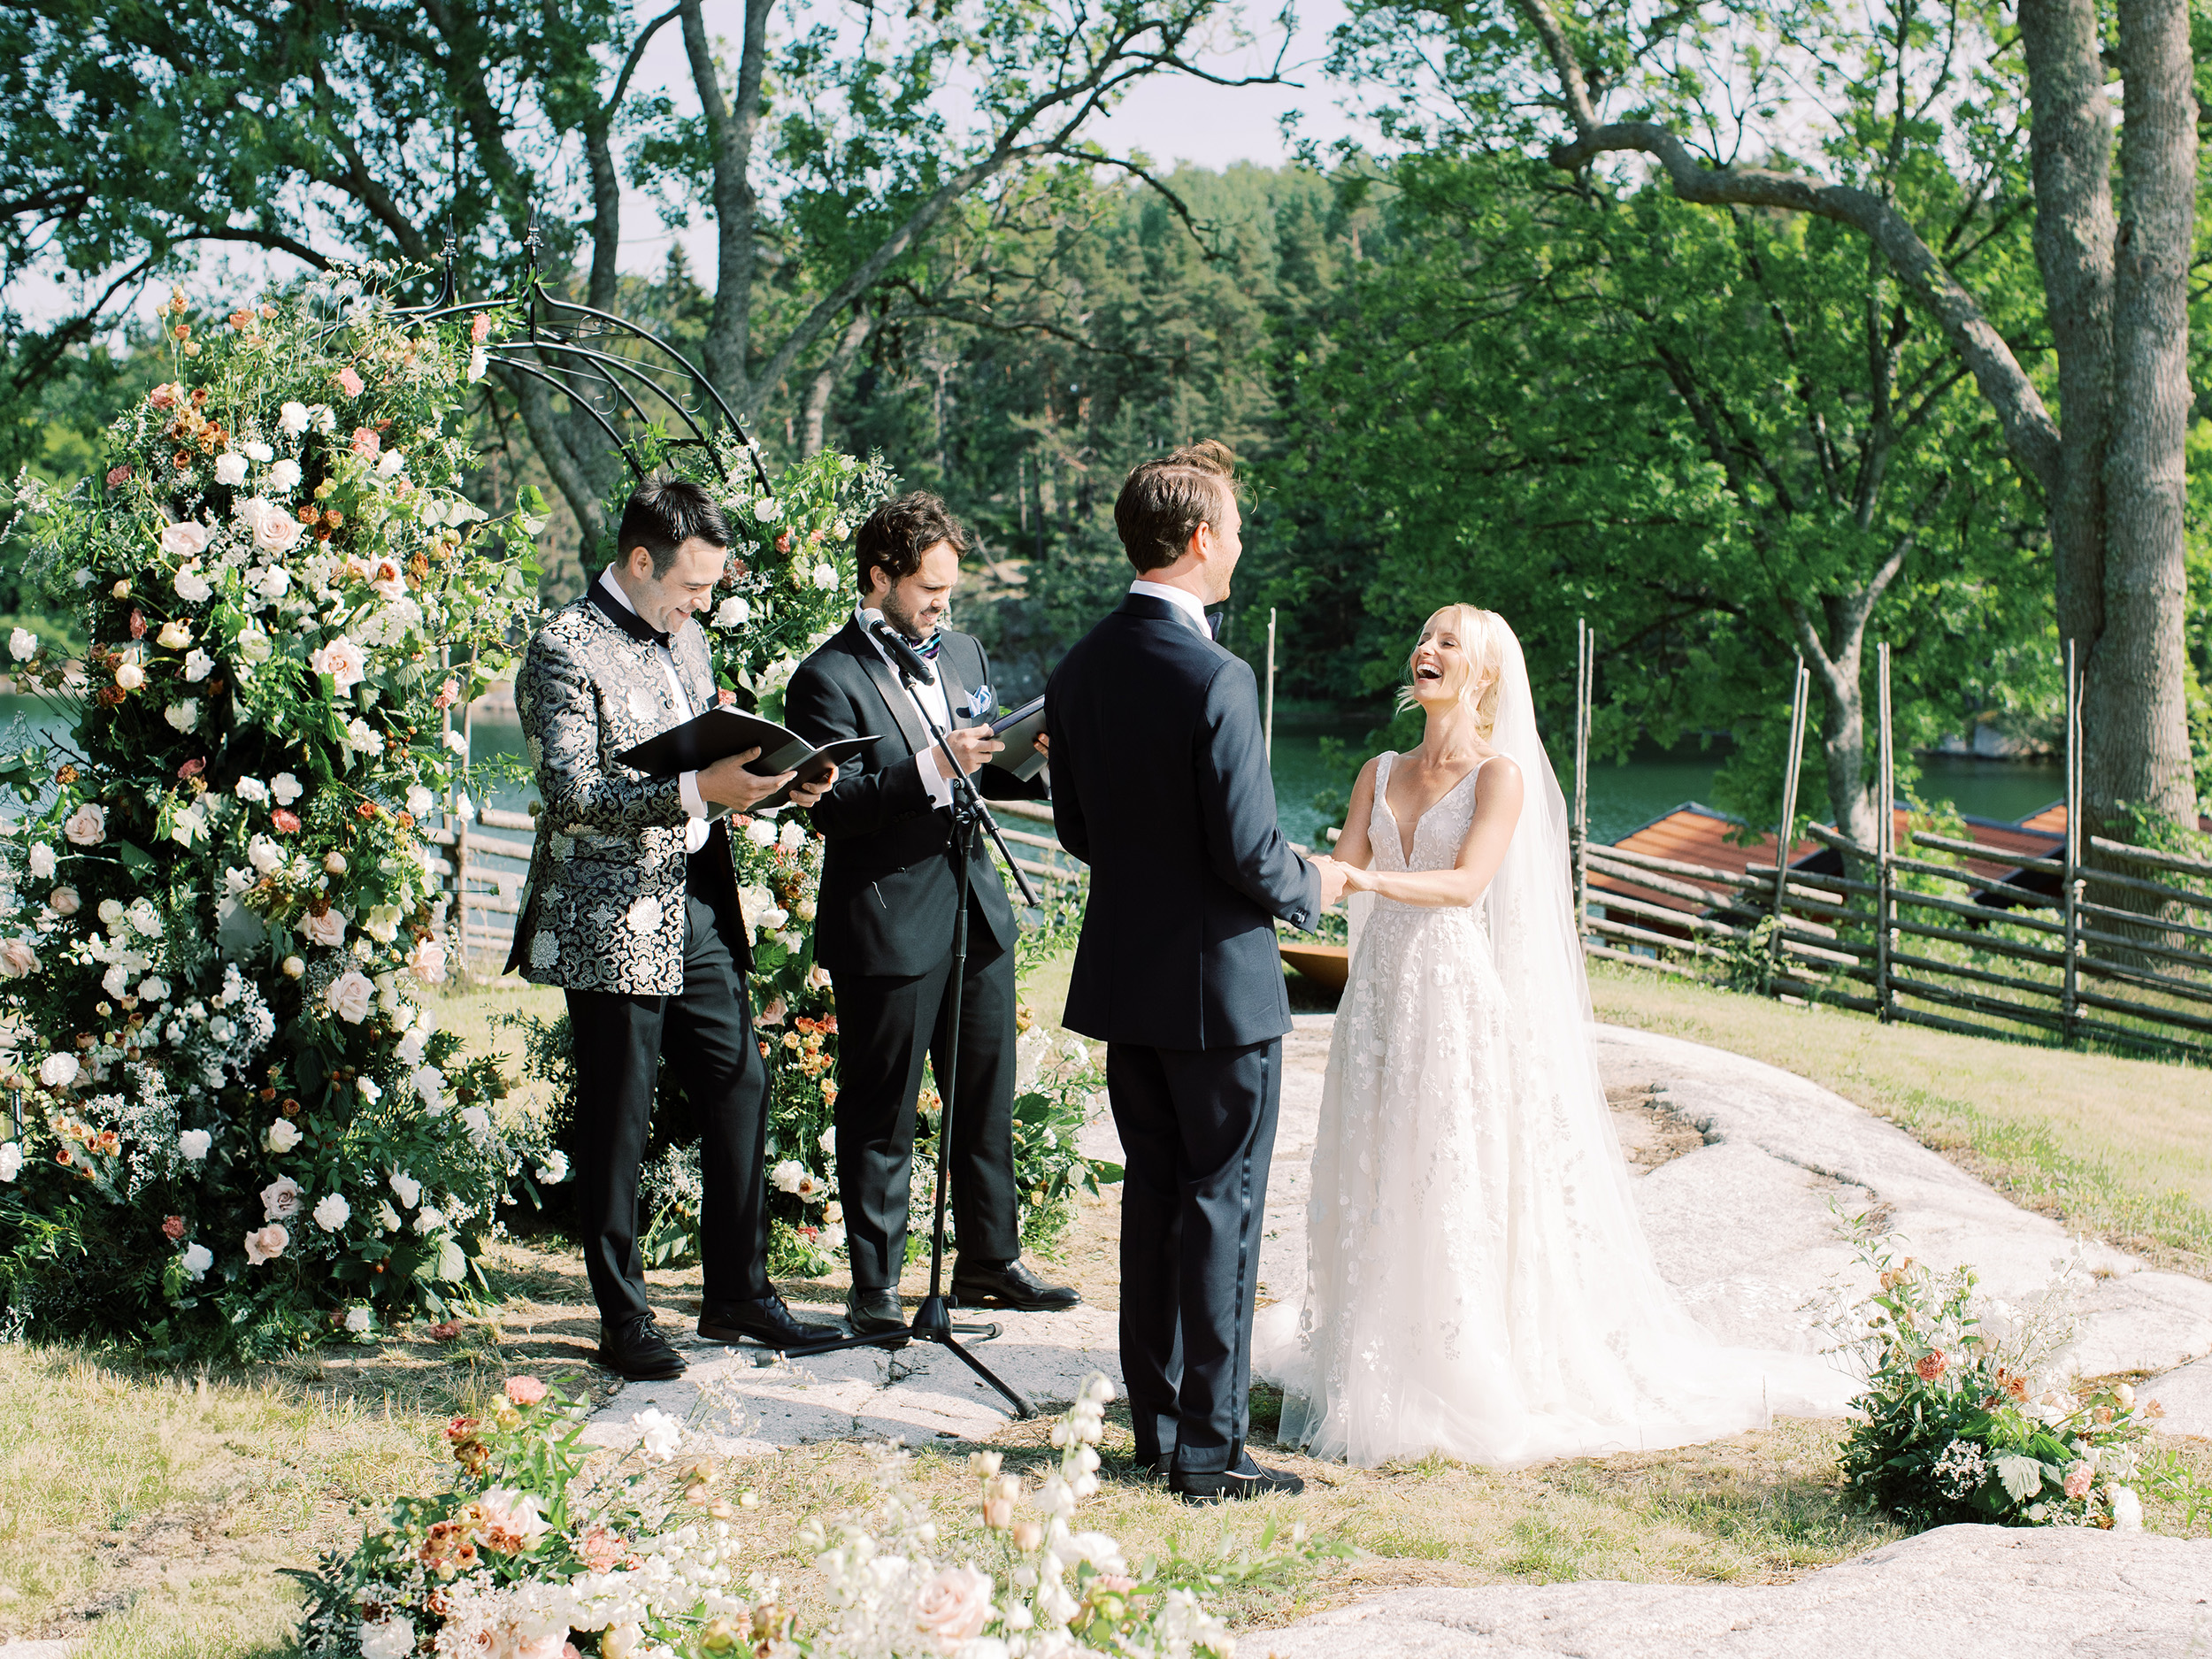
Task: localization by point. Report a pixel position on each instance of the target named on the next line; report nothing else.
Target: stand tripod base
(931, 1323)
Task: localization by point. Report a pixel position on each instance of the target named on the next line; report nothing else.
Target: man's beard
(900, 618)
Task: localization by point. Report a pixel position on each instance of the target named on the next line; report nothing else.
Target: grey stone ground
(1958, 1593)
(1743, 1223)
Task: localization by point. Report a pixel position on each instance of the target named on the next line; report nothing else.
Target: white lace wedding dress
(1477, 1282)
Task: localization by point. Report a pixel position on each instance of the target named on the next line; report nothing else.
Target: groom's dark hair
(1163, 502)
(662, 514)
(894, 537)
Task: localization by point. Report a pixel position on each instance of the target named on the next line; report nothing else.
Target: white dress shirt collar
(1187, 602)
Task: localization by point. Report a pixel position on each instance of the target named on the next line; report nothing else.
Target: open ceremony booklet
(720, 732)
(1018, 731)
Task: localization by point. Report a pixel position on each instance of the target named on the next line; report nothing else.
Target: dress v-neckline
(1407, 835)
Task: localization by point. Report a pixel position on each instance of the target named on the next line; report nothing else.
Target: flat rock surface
(1743, 1172)
(1957, 1592)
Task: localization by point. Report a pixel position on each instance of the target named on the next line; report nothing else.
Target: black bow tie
(1213, 624)
(628, 620)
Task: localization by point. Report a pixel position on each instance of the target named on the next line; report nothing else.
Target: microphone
(911, 661)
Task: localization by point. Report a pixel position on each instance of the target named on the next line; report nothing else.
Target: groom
(1161, 785)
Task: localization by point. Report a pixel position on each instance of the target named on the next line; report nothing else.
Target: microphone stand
(933, 1320)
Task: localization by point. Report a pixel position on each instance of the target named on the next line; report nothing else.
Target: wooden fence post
(1789, 818)
(1884, 838)
(2070, 895)
(1579, 836)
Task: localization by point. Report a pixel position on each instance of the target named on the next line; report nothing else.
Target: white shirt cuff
(687, 786)
(935, 779)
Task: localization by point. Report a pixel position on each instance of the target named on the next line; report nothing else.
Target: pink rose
(479, 328)
(389, 577)
(163, 396)
(328, 929)
(172, 1228)
(426, 961)
(600, 1550)
(88, 826)
(771, 1015)
(186, 540)
(524, 1391)
(954, 1606)
(350, 995)
(64, 900)
(2078, 1481)
(342, 660)
(280, 1199)
(1931, 1365)
(286, 821)
(365, 443)
(348, 382)
(18, 960)
(266, 1245)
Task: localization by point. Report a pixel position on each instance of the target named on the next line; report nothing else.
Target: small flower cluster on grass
(536, 1553)
(1963, 1419)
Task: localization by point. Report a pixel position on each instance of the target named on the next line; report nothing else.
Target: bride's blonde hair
(1482, 636)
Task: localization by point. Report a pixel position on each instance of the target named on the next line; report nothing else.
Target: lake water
(1622, 798)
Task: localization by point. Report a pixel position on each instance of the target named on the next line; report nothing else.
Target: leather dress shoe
(767, 1321)
(875, 1313)
(634, 1349)
(1010, 1285)
(1244, 1478)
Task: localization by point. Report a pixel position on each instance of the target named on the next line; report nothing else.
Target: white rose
(793, 836)
(191, 585)
(787, 1176)
(292, 420)
(264, 854)
(58, 1071)
(272, 582)
(43, 861)
(197, 1259)
(111, 912)
(359, 1320)
(350, 995)
(194, 1144)
(22, 645)
(658, 1433)
(342, 660)
(88, 826)
(230, 469)
(287, 789)
(410, 1046)
(825, 576)
(281, 1136)
(275, 530)
(429, 1083)
(185, 540)
(419, 800)
(732, 612)
(426, 961)
(285, 475)
(280, 1198)
(184, 716)
(11, 1161)
(332, 1213)
(408, 1189)
(260, 452)
(761, 831)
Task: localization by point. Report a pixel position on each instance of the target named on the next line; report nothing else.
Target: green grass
(2118, 1147)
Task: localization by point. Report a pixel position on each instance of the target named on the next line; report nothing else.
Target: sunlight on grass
(2118, 1147)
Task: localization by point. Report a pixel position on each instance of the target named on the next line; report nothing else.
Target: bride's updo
(1482, 637)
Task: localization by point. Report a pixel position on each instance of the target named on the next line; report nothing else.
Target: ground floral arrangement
(230, 1121)
(541, 1551)
(1962, 1420)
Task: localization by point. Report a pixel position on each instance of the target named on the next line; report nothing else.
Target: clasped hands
(1339, 877)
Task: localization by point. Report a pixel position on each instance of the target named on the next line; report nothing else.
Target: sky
(1172, 118)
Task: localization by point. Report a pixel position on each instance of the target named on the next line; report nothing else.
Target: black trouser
(1197, 1129)
(885, 1029)
(708, 1031)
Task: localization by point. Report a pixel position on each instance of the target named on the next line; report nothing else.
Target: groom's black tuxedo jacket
(887, 892)
(1161, 785)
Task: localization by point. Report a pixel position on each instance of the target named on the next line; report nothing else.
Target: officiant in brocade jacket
(632, 908)
(884, 927)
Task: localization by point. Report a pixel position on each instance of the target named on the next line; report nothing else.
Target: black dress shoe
(634, 1349)
(1243, 1479)
(768, 1322)
(1009, 1285)
(875, 1313)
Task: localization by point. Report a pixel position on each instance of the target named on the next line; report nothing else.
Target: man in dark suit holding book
(884, 927)
(1163, 787)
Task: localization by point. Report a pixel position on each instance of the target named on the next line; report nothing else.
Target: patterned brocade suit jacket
(603, 909)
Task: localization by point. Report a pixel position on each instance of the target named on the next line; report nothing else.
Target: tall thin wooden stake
(1585, 658)
(1884, 836)
(2070, 880)
(1269, 718)
(1783, 840)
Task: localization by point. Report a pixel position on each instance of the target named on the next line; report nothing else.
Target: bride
(1476, 1281)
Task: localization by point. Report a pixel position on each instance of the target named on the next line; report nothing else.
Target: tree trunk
(824, 385)
(2134, 711)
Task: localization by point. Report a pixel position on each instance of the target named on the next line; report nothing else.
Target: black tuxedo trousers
(619, 1039)
(886, 1026)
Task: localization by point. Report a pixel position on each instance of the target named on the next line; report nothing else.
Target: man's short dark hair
(1163, 502)
(896, 535)
(662, 514)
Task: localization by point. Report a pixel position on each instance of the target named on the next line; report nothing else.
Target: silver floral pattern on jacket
(603, 909)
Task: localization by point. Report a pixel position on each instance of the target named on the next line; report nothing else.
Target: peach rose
(328, 929)
(954, 1606)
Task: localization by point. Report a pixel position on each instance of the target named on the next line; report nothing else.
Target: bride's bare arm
(1352, 846)
(1497, 813)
